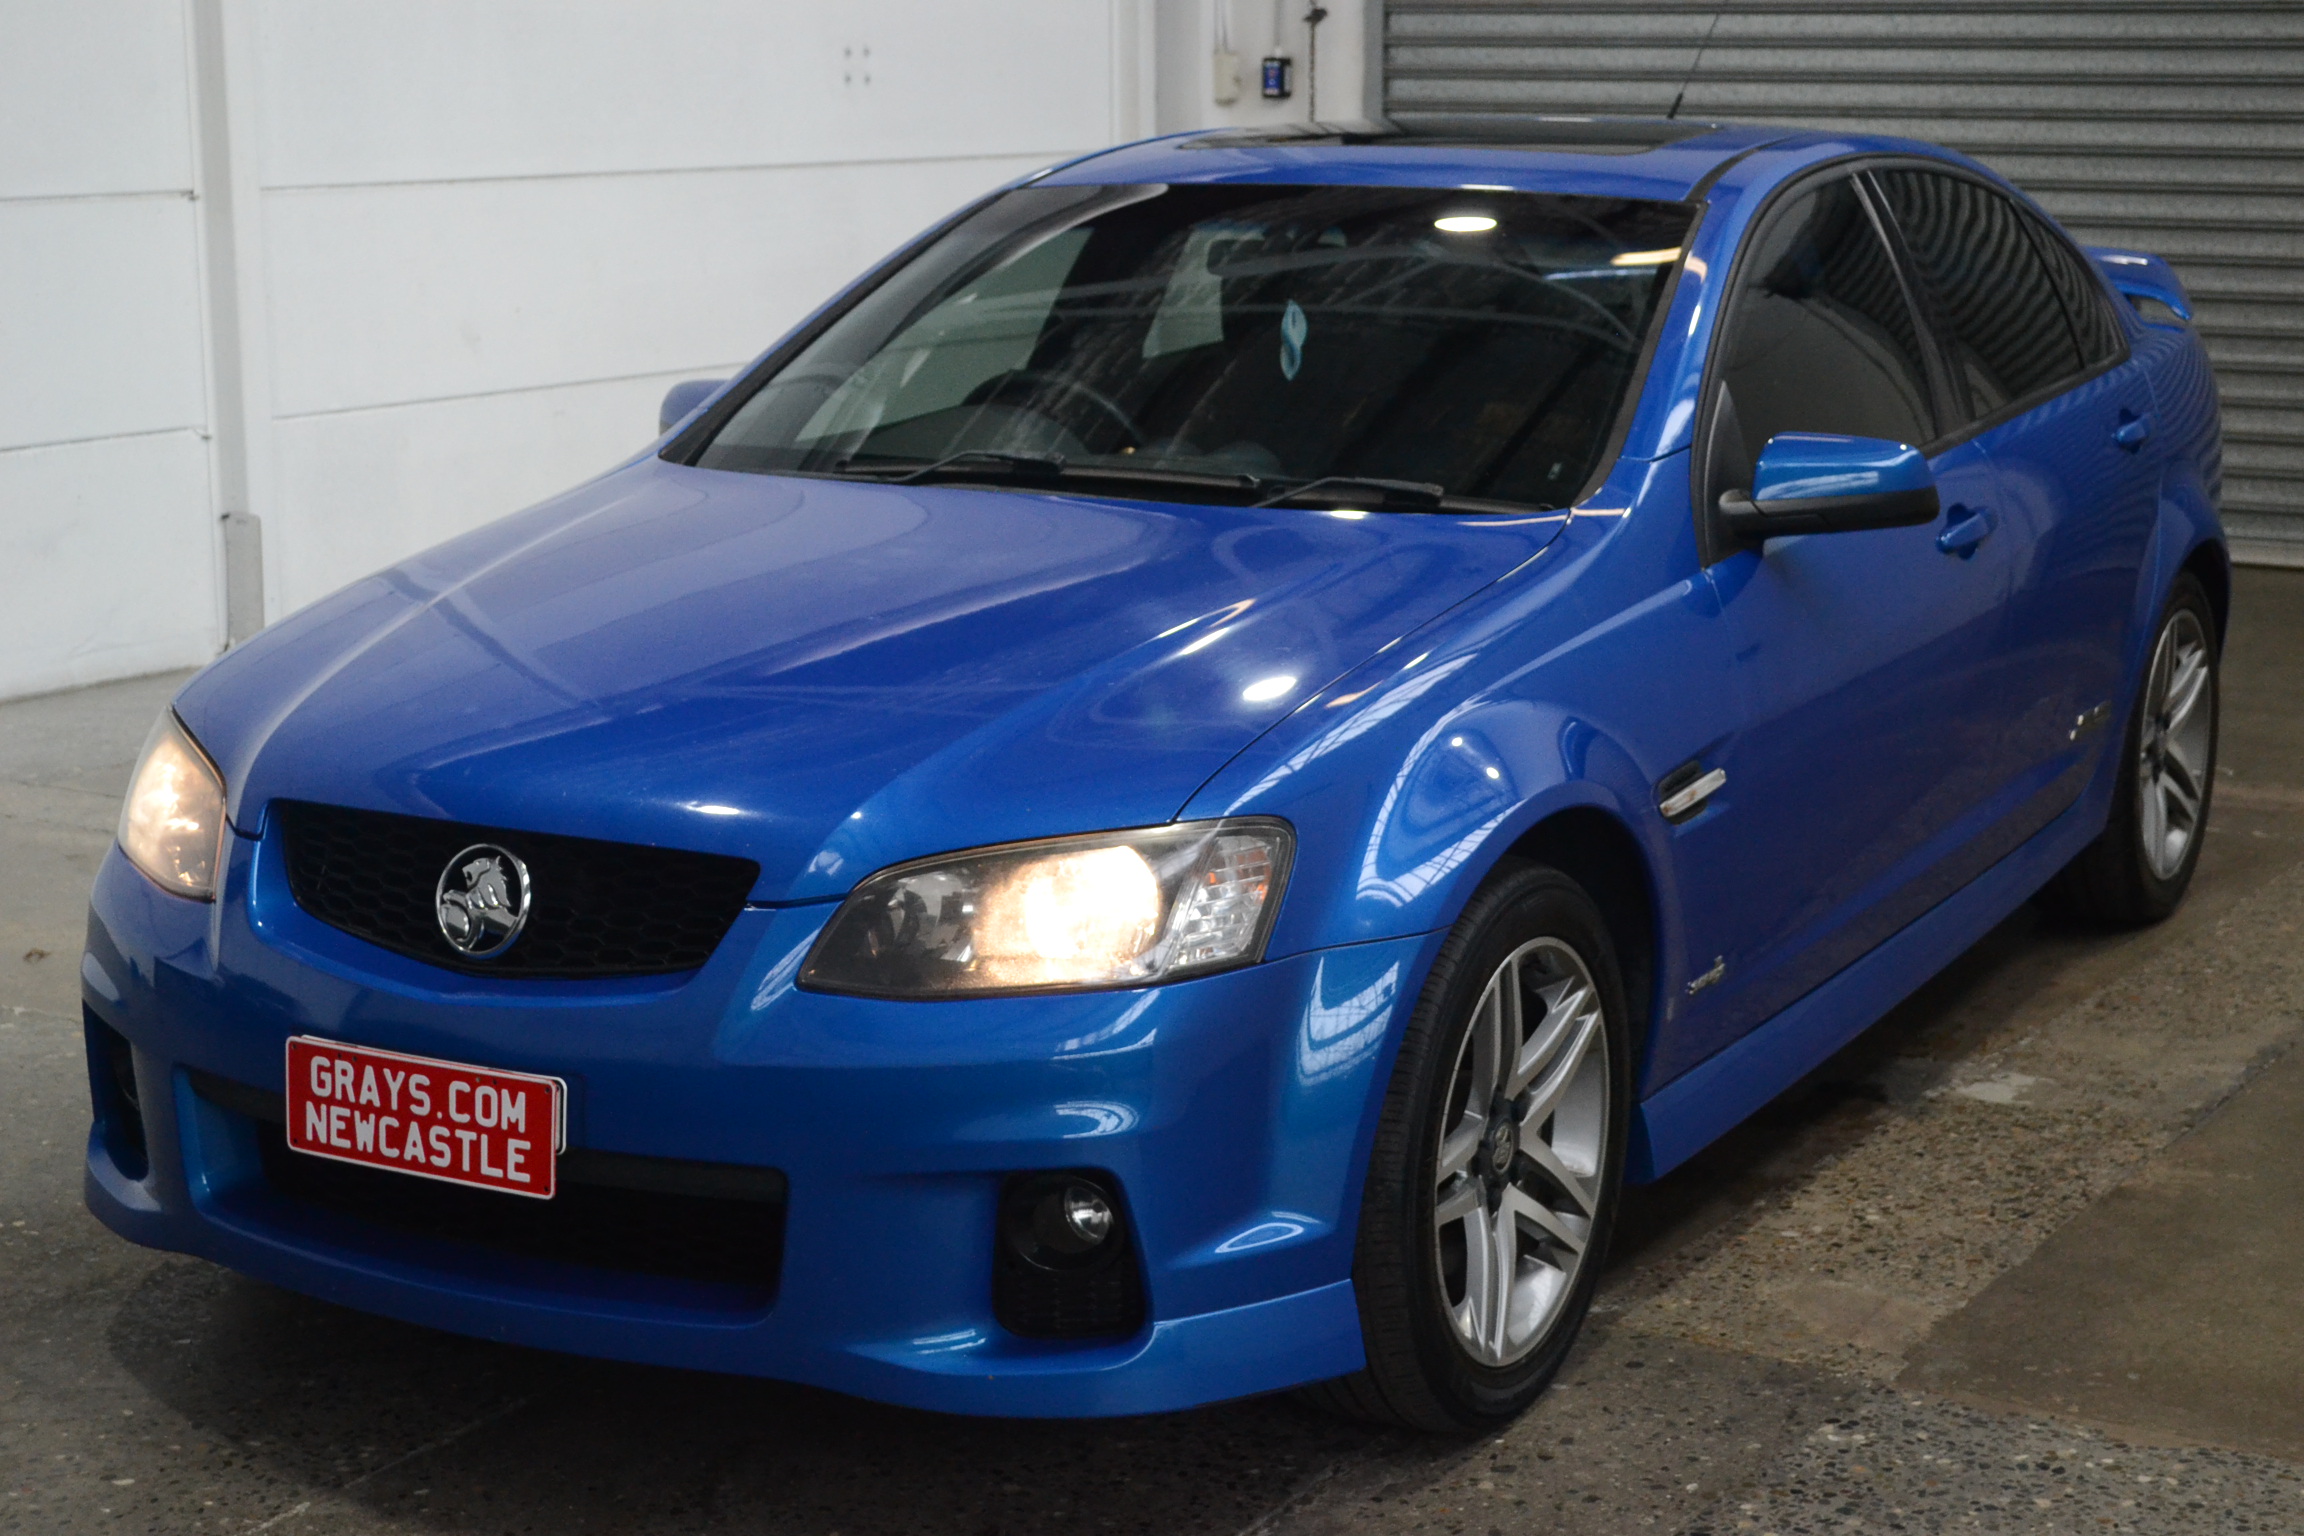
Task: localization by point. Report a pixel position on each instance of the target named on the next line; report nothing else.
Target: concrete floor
(2023, 1259)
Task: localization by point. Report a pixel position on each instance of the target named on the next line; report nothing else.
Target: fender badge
(1719, 969)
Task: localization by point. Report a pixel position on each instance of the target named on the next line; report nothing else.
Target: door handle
(1963, 535)
(2132, 431)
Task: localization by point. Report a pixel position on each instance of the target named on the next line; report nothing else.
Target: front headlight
(1115, 909)
(172, 827)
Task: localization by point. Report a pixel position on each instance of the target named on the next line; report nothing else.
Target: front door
(1853, 784)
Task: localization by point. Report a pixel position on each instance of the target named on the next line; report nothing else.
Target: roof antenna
(1682, 94)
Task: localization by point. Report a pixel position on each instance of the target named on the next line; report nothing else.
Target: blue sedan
(1171, 796)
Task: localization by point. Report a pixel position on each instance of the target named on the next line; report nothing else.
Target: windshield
(1476, 343)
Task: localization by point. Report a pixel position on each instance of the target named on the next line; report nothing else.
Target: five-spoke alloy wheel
(1519, 1153)
(1498, 1158)
(2138, 869)
(2178, 742)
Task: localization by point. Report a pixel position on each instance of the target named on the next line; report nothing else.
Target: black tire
(2113, 882)
(1421, 1372)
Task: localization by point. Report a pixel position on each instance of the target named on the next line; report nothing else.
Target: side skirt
(1695, 1109)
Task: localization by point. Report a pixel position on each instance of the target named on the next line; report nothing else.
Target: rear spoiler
(2148, 283)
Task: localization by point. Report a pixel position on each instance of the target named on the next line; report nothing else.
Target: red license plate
(475, 1126)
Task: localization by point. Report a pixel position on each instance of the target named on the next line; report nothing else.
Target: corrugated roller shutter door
(2176, 128)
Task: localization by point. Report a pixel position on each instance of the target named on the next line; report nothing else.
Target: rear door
(2045, 384)
(1852, 784)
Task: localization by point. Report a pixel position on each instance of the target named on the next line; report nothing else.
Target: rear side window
(2092, 323)
(2002, 318)
(1821, 337)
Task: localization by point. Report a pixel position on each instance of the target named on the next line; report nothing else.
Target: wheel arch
(2186, 536)
(2212, 564)
(1592, 847)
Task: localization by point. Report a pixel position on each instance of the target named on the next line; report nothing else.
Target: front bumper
(1235, 1112)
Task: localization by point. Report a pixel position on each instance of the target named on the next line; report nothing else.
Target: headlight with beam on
(1115, 909)
(172, 827)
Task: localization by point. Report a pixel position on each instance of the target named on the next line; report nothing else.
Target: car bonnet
(822, 676)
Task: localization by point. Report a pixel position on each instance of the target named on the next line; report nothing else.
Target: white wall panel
(406, 90)
(366, 489)
(99, 319)
(1332, 78)
(448, 255)
(400, 293)
(92, 97)
(106, 561)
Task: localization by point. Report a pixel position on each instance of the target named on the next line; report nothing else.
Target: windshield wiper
(1037, 466)
(1054, 468)
(1049, 466)
(1153, 474)
(1392, 495)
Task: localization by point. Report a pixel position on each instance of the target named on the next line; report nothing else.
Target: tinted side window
(1820, 336)
(2001, 315)
(2083, 296)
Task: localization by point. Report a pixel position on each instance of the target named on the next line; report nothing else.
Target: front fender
(1574, 684)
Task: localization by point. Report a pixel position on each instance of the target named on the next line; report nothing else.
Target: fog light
(1075, 1219)
(1066, 1267)
(1058, 1221)
(119, 1107)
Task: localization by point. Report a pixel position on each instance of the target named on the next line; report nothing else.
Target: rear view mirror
(1816, 482)
(682, 398)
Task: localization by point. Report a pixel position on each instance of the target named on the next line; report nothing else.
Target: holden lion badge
(482, 900)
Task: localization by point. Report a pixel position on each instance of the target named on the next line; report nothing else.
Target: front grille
(717, 1224)
(596, 908)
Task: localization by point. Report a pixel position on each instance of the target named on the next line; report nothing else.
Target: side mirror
(682, 398)
(1815, 482)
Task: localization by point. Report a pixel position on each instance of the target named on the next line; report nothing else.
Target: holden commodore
(1172, 795)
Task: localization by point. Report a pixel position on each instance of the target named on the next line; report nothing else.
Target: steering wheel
(1110, 408)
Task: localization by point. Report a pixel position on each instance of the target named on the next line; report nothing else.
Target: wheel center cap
(1503, 1146)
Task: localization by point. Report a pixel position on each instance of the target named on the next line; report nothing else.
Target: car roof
(1663, 158)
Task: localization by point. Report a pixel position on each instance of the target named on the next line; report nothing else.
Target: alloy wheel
(1521, 1141)
(2174, 745)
